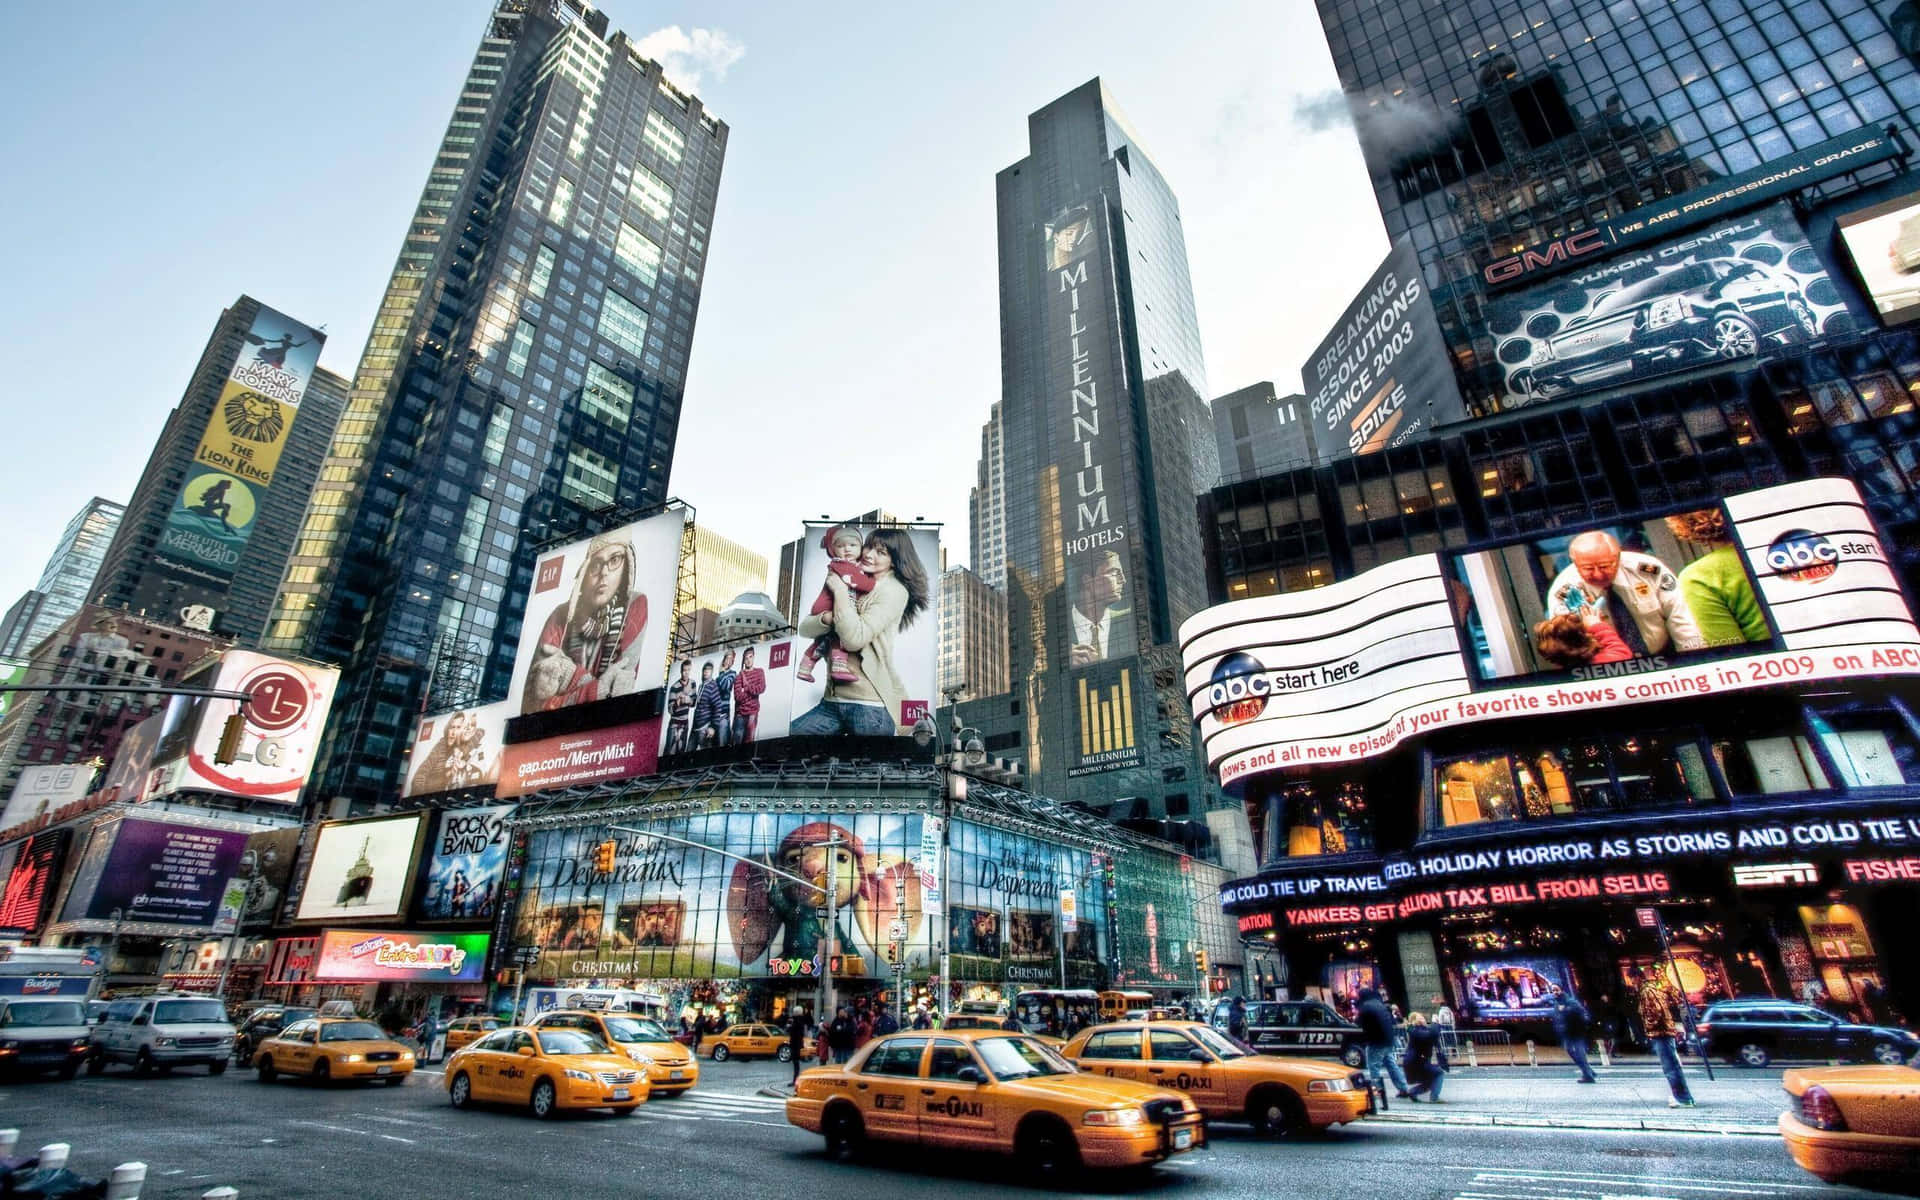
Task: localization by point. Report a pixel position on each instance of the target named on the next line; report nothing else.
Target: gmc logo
(1553, 253)
(1774, 874)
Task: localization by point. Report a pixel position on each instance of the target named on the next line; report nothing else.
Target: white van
(547, 999)
(43, 1035)
(162, 1032)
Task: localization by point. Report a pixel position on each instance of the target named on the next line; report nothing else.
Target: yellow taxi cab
(1853, 1120)
(328, 1048)
(1227, 1080)
(464, 1031)
(1010, 1024)
(990, 1090)
(546, 1070)
(751, 1040)
(671, 1068)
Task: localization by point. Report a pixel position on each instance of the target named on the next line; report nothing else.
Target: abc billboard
(1787, 584)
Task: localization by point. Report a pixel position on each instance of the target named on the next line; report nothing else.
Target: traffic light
(1200, 961)
(603, 856)
(229, 748)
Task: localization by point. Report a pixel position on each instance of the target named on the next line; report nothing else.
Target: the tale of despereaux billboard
(1789, 584)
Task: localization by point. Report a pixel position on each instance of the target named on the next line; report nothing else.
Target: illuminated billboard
(1383, 376)
(463, 863)
(284, 721)
(1884, 243)
(577, 759)
(148, 869)
(1787, 584)
(1106, 719)
(599, 616)
(1721, 294)
(28, 889)
(233, 466)
(868, 662)
(458, 750)
(736, 696)
(361, 869)
(398, 955)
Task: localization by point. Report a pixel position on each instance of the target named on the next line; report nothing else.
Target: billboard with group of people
(1787, 584)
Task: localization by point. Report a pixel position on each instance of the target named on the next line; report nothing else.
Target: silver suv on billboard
(1714, 309)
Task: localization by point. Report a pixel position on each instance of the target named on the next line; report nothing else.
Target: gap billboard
(1788, 584)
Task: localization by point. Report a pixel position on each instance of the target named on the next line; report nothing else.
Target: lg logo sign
(280, 700)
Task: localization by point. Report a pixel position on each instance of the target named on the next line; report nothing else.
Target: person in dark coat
(1426, 1059)
(1572, 1024)
(797, 1026)
(842, 1036)
(1237, 1019)
(1377, 1036)
(885, 1023)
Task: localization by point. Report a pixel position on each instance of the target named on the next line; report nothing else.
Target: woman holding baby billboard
(868, 611)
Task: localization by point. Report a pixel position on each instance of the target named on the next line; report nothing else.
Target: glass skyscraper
(523, 375)
(1495, 125)
(67, 580)
(1106, 441)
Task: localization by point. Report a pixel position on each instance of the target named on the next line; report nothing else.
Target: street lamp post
(964, 748)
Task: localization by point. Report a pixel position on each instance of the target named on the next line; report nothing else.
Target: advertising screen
(731, 697)
(361, 868)
(28, 889)
(1106, 717)
(378, 956)
(676, 911)
(1786, 584)
(45, 787)
(1721, 293)
(1006, 921)
(212, 518)
(266, 870)
(599, 617)
(869, 654)
(463, 863)
(284, 721)
(1510, 988)
(1383, 376)
(1884, 243)
(154, 870)
(577, 759)
(133, 761)
(458, 750)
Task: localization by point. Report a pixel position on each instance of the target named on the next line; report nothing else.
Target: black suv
(1752, 1033)
(1722, 308)
(1295, 1027)
(262, 1024)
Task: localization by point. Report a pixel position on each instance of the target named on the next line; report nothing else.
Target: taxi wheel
(1047, 1149)
(784, 1054)
(461, 1093)
(323, 1072)
(545, 1101)
(720, 1053)
(1276, 1112)
(845, 1134)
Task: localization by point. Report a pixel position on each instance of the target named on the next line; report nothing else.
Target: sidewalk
(1629, 1096)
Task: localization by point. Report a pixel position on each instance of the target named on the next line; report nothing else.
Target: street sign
(899, 968)
(1649, 917)
(897, 931)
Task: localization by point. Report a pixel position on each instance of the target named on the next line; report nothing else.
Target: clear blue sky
(163, 158)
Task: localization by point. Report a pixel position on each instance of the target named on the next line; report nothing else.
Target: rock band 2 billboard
(1716, 295)
(1383, 376)
(1786, 584)
(233, 466)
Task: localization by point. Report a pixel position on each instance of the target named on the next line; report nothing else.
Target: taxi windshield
(571, 1041)
(1019, 1058)
(1220, 1043)
(351, 1031)
(628, 1029)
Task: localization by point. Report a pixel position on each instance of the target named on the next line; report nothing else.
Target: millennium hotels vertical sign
(1108, 734)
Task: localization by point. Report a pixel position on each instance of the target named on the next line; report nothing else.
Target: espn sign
(1758, 875)
(1556, 253)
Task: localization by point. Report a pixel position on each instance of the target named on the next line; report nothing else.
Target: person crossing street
(1572, 1024)
(1660, 1014)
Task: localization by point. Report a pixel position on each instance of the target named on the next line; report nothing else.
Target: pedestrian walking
(862, 1030)
(921, 1019)
(1444, 1027)
(1426, 1059)
(885, 1023)
(1377, 1035)
(699, 1032)
(1660, 1016)
(841, 1035)
(1237, 1019)
(797, 1024)
(1571, 1024)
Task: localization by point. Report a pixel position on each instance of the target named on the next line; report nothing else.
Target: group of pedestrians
(1415, 1058)
(850, 1029)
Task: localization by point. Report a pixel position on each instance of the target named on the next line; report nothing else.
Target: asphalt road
(295, 1141)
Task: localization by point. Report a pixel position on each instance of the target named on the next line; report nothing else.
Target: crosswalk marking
(1519, 1183)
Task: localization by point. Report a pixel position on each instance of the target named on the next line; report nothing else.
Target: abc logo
(1802, 556)
(1239, 690)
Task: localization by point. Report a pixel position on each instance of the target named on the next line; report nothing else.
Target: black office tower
(1503, 134)
(524, 370)
(1107, 440)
